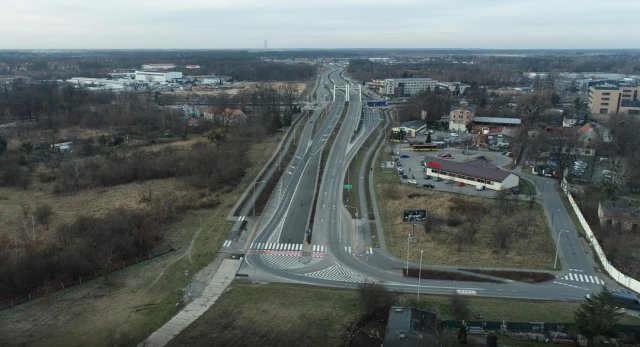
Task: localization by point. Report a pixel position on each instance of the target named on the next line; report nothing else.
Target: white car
(412, 181)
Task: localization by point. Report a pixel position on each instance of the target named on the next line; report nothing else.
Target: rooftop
(470, 107)
(407, 326)
(620, 209)
(472, 168)
(498, 120)
(414, 124)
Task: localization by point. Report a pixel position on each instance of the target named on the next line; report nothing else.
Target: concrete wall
(618, 276)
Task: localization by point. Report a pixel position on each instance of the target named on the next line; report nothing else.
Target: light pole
(555, 262)
(408, 240)
(420, 275)
(253, 205)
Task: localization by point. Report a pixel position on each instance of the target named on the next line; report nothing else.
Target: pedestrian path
(216, 286)
(576, 276)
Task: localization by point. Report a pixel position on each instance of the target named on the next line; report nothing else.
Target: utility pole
(420, 275)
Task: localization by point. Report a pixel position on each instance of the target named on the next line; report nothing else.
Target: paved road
(341, 252)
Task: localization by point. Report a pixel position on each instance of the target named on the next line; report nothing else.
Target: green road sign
(348, 186)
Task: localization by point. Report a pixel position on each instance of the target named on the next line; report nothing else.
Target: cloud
(318, 24)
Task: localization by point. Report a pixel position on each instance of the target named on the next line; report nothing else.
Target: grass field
(443, 240)
(140, 298)
(250, 314)
(254, 314)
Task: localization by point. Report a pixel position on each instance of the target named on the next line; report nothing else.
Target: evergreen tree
(597, 315)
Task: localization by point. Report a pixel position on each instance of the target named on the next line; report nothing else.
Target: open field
(463, 230)
(138, 299)
(250, 314)
(253, 314)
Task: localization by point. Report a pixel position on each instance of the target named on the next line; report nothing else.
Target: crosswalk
(578, 277)
(286, 249)
(273, 246)
(227, 243)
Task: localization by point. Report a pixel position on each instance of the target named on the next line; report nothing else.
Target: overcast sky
(217, 24)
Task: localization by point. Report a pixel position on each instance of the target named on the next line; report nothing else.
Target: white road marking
(568, 285)
(466, 292)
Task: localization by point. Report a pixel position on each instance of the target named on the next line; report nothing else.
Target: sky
(290, 24)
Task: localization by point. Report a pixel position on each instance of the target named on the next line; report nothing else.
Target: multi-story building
(460, 116)
(407, 86)
(615, 98)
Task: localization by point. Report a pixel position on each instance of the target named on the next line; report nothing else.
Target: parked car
(427, 177)
(428, 185)
(438, 179)
(404, 156)
(405, 176)
(448, 182)
(445, 155)
(460, 184)
(412, 181)
(479, 187)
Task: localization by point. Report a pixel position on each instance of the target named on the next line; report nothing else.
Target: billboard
(414, 216)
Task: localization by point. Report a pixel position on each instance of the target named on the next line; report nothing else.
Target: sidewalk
(216, 286)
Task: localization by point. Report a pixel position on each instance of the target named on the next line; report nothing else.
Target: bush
(42, 213)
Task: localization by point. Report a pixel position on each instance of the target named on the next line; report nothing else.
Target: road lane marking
(466, 292)
(568, 285)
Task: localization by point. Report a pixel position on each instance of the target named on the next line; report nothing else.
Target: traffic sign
(348, 186)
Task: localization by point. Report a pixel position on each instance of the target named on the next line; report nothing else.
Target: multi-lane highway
(340, 252)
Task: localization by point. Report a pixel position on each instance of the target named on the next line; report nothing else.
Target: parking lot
(409, 163)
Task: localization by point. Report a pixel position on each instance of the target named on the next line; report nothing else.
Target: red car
(460, 184)
(445, 155)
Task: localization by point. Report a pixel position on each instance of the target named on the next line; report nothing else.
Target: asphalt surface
(341, 253)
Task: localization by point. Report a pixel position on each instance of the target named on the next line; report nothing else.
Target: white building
(211, 80)
(453, 86)
(158, 67)
(100, 83)
(407, 86)
(158, 77)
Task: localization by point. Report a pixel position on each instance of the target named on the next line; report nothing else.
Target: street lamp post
(555, 262)
(253, 205)
(408, 240)
(420, 275)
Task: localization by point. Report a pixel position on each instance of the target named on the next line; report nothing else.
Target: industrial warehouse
(478, 173)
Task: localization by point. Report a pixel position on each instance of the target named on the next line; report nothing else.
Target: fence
(618, 276)
(55, 286)
(540, 327)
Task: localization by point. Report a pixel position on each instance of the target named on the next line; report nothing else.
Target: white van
(479, 187)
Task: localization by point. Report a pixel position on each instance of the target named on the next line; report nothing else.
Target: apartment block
(614, 98)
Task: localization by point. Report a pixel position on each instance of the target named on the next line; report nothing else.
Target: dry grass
(530, 248)
(142, 297)
(251, 314)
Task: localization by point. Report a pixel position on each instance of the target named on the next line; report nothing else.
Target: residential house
(226, 116)
(587, 135)
(460, 117)
(407, 326)
(619, 214)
